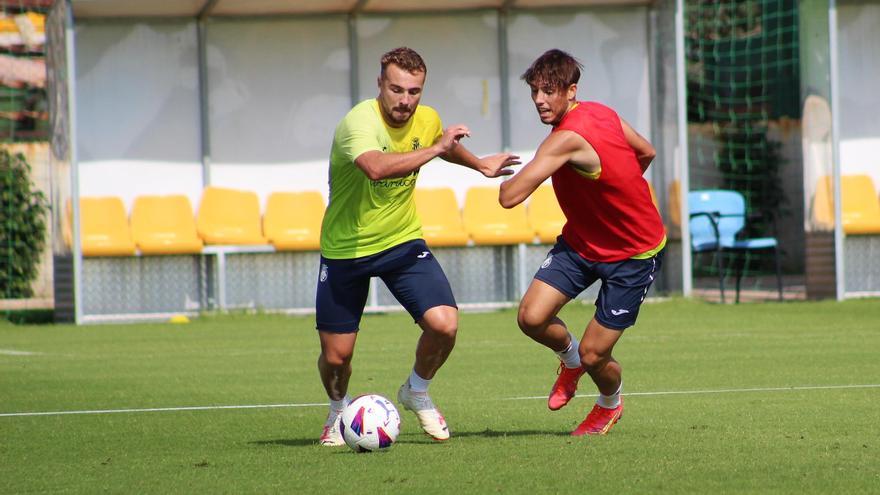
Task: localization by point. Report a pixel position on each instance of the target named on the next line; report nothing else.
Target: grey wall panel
(611, 43)
(859, 49)
(859, 45)
(137, 91)
(277, 88)
(461, 52)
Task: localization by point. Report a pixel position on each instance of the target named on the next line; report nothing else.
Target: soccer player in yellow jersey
(371, 229)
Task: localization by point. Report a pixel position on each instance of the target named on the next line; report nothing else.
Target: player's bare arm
(491, 166)
(560, 148)
(378, 165)
(645, 152)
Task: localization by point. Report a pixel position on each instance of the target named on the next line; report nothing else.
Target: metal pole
(221, 280)
(839, 264)
(655, 174)
(70, 54)
(353, 61)
(681, 85)
(204, 118)
(521, 268)
(503, 76)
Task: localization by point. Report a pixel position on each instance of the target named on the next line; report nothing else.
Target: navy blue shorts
(624, 283)
(409, 270)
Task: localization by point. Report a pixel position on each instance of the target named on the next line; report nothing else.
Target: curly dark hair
(405, 58)
(555, 68)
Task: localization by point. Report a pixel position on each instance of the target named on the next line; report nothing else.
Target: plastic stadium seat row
(860, 210)
(292, 221)
(166, 224)
(484, 221)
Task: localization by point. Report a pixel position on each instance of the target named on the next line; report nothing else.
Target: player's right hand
(451, 136)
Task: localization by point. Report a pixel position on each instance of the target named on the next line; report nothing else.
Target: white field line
(324, 404)
(159, 409)
(722, 391)
(12, 352)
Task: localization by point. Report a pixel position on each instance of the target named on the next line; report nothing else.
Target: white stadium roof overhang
(202, 8)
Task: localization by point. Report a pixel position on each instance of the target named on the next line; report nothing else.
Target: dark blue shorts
(409, 270)
(624, 283)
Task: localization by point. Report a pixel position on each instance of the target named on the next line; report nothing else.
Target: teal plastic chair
(717, 218)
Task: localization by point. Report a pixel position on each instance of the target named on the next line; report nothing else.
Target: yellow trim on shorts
(652, 252)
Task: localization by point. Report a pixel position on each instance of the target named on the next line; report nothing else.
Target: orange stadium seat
(292, 221)
(229, 216)
(164, 225)
(488, 223)
(441, 217)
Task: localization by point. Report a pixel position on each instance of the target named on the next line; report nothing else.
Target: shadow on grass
(416, 438)
(287, 442)
(490, 433)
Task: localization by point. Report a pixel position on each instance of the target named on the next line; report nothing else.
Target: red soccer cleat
(565, 387)
(599, 421)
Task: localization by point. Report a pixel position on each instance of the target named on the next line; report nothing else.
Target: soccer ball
(370, 423)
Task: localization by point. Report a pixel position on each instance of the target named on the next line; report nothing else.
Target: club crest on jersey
(547, 261)
(323, 276)
(415, 143)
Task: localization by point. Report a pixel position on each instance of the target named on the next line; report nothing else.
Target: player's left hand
(497, 165)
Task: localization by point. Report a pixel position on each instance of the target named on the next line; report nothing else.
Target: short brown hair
(554, 68)
(405, 58)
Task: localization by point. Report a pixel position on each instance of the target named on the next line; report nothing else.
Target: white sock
(610, 401)
(417, 383)
(571, 357)
(339, 405)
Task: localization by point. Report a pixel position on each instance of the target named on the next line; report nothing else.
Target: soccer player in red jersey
(612, 233)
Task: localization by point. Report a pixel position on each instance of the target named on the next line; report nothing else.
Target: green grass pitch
(755, 398)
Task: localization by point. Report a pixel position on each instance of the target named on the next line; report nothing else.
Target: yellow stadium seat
(861, 208)
(823, 205)
(441, 217)
(229, 216)
(67, 225)
(489, 223)
(545, 215)
(293, 220)
(164, 225)
(673, 203)
(104, 229)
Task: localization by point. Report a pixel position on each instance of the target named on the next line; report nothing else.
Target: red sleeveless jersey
(611, 218)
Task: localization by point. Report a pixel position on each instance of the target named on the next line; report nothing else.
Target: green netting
(742, 81)
(24, 118)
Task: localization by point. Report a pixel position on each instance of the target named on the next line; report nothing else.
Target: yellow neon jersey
(366, 216)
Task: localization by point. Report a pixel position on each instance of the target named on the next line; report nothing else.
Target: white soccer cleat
(331, 436)
(430, 418)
